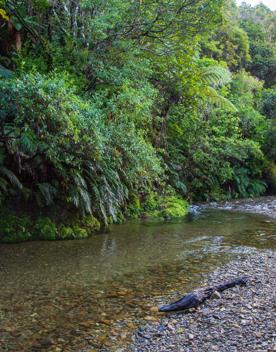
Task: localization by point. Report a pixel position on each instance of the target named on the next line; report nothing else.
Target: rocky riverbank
(262, 205)
(241, 320)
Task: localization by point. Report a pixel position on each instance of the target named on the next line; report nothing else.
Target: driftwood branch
(197, 297)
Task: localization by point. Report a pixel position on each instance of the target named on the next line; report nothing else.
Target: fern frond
(11, 177)
(3, 184)
(216, 99)
(48, 192)
(216, 76)
(85, 200)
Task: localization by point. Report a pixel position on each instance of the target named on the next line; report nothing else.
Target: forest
(111, 110)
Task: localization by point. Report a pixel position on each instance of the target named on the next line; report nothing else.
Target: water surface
(89, 295)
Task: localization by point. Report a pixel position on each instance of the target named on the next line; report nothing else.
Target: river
(90, 295)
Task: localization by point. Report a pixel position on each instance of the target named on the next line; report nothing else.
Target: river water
(91, 295)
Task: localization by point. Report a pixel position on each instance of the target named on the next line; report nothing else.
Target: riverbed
(91, 295)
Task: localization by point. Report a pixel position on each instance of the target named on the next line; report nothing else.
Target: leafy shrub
(268, 103)
(207, 153)
(134, 207)
(21, 228)
(14, 229)
(66, 233)
(90, 224)
(166, 207)
(45, 229)
(67, 150)
(79, 232)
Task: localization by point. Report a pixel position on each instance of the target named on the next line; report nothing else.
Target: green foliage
(75, 154)
(134, 207)
(66, 233)
(104, 105)
(269, 103)
(20, 228)
(207, 155)
(230, 44)
(5, 73)
(14, 229)
(79, 232)
(271, 177)
(45, 229)
(259, 23)
(90, 223)
(165, 207)
(245, 186)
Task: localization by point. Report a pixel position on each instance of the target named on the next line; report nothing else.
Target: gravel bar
(241, 319)
(264, 205)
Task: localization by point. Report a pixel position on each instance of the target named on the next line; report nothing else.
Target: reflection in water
(80, 295)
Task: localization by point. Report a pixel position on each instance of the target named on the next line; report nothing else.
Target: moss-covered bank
(21, 227)
(165, 208)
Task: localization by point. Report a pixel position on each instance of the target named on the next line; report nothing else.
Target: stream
(90, 295)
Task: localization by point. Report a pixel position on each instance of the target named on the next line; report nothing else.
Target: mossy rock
(65, 233)
(79, 232)
(168, 208)
(90, 224)
(73, 232)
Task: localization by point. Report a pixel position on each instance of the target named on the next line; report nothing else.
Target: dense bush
(57, 148)
(165, 207)
(218, 154)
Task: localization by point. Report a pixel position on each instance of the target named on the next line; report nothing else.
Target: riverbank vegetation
(119, 109)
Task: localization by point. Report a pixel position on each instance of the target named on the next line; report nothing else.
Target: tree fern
(216, 99)
(212, 77)
(48, 192)
(216, 76)
(10, 176)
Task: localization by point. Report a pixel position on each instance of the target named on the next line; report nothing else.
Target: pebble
(241, 321)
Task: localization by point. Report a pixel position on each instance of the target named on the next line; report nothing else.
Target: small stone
(150, 318)
(123, 335)
(205, 311)
(215, 295)
(131, 325)
(191, 336)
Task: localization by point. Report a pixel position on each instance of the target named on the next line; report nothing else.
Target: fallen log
(197, 297)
